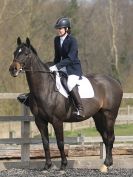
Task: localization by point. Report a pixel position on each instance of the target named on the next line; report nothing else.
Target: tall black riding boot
(24, 98)
(78, 103)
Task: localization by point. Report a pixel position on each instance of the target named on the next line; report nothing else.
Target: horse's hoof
(104, 169)
(63, 167)
(62, 172)
(47, 167)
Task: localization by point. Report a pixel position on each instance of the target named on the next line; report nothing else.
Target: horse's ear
(28, 41)
(19, 41)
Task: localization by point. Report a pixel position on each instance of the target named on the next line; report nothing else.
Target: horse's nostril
(15, 68)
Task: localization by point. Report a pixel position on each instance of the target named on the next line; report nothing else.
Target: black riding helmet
(63, 22)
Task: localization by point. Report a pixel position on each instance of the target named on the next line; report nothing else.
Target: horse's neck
(37, 64)
(38, 76)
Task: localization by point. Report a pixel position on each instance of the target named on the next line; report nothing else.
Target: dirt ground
(77, 167)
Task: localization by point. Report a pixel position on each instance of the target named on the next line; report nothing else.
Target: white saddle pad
(84, 86)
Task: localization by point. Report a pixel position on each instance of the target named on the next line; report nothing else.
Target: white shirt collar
(62, 39)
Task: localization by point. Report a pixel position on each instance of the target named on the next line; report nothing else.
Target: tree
(71, 11)
(113, 16)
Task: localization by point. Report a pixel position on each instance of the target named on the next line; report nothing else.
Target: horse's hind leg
(104, 121)
(58, 128)
(43, 128)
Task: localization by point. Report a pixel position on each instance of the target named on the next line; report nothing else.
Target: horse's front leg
(43, 128)
(58, 128)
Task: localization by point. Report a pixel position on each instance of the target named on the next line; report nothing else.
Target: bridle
(24, 69)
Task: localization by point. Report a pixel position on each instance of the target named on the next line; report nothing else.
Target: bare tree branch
(114, 49)
(3, 9)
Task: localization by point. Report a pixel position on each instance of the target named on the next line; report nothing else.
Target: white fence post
(25, 134)
(102, 151)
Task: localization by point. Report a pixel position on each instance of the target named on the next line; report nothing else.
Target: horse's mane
(47, 64)
(33, 50)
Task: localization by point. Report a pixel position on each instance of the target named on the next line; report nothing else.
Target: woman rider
(66, 59)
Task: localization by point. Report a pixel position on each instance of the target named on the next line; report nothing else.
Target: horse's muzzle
(14, 72)
(15, 69)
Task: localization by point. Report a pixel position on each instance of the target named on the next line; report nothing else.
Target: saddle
(84, 86)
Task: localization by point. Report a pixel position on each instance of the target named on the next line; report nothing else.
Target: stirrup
(81, 114)
(78, 114)
(24, 99)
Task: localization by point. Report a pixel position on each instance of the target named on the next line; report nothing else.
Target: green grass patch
(124, 130)
(120, 130)
(84, 132)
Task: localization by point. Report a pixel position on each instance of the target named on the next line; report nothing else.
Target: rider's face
(61, 31)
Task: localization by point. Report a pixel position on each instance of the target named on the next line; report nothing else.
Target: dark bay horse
(49, 106)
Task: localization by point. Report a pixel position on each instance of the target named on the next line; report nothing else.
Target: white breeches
(72, 81)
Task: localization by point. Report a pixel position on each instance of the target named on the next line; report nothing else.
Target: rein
(30, 70)
(41, 71)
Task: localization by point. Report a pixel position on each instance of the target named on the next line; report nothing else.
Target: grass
(124, 130)
(120, 130)
(84, 132)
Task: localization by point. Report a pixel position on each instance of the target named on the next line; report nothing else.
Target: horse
(49, 106)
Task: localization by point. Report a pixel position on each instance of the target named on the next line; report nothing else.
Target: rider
(66, 59)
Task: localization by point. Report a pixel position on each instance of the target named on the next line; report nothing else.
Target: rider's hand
(53, 68)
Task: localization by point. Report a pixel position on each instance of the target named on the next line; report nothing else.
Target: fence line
(25, 139)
